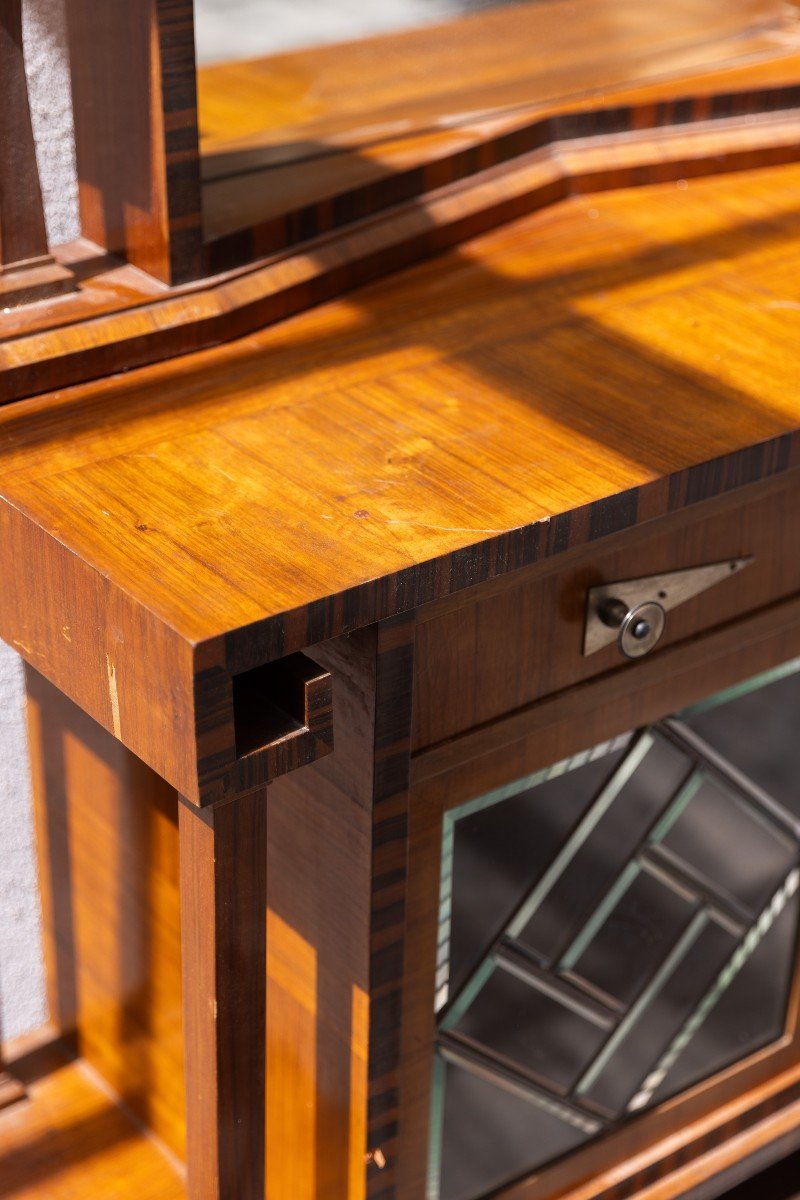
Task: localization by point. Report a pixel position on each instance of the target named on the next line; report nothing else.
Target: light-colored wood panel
(108, 853)
(487, 60)
(471, 415)
(70, 1140)
(424, 413)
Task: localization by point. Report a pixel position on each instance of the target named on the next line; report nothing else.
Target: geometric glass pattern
(613, 930)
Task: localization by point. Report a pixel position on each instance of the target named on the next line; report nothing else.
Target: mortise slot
(281, 700)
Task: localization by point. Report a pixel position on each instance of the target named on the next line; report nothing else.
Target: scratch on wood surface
(113, 696)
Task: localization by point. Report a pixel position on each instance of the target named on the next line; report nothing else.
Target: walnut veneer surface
(421, 434)
(279, 132)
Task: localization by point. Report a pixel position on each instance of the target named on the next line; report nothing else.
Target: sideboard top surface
(558, 364)
(609, 360)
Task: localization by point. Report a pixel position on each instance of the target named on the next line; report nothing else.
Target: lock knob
(639, 627)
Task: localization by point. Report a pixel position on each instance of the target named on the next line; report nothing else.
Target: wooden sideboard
(302, 598)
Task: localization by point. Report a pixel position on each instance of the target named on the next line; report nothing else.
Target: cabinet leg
(223, 937)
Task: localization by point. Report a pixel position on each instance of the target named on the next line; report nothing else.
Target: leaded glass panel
(614, 930)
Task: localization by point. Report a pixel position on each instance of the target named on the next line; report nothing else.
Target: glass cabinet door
(614, 930)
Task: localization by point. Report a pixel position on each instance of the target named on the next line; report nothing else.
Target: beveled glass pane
(579, 888)
(645, 920)
(531, 1029)
(726, 839)
(749, 1014)
(643, 937)
(500, 850)
(664, 1009)
(491, 1134)
(755, 726)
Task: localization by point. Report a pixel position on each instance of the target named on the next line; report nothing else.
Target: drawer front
(508, 644)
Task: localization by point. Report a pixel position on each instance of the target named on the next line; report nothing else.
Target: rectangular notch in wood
(284, 706)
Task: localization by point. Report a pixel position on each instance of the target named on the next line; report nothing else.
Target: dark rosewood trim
(395, 662)
(657, 1171)
(505, 178)
(379, 599)
(521, 137)
(136, 139)
(223, 875)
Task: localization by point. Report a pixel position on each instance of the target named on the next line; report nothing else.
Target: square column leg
(223, 874)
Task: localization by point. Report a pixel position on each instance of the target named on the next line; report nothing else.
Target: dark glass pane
(749, 1014)
(635, 938)
(759, 732)
(491, 1135)
(721, 836)
(671, 1005)
(575, 895)
(500, 852)
(531, 1029)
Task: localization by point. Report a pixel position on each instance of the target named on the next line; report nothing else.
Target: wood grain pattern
(224, 944)
(70, 1139)
(108, 856)
(318, 948)
(390, 815)
(135, 110)
(469, 194)
(480, 154)
(503, 647)
(385, 454)
(498, 51)
(293, 126)
(571, 717)
(23, 238)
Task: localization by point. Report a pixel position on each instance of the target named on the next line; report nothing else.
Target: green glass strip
(678, 806)
(741, 954)
(601, 750)
(478, 805)
(436, 1138)
(667, 968)
(581, 833)
(599, 917)
(742, 689)
(628, 874)
(569, 1114)
(469, 991)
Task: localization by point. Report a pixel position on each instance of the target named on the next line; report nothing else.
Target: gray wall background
(225, 29)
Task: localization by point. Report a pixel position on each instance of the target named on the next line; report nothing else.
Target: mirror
(316, 113)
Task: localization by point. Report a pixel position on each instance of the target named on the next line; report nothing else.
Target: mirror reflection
(315, 114)
(228, 29)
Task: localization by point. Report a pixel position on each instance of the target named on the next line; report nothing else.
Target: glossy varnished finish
(326, 135)
(133, 87)
(503, 646)
(107, 831)
(318, 948)
(70, 1139)
(629, 95)
(224, 945)
(273, 594)
(494, 56)
(22, 232)
(433, 458)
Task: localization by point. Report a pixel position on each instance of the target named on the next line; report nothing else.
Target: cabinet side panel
(108, 861)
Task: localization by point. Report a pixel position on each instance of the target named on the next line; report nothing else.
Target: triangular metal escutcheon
(668, 590)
